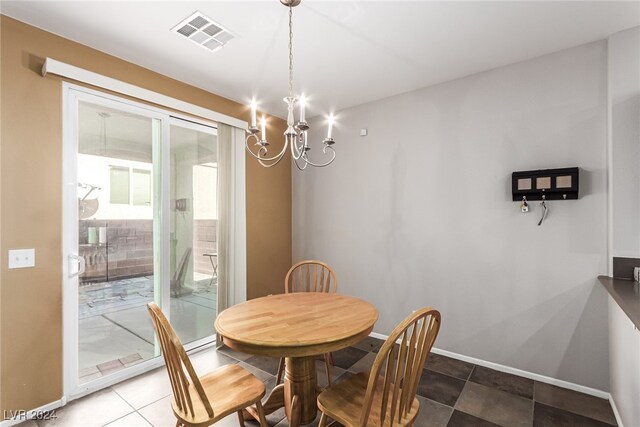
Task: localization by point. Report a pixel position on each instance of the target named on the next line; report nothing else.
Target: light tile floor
(452, 393)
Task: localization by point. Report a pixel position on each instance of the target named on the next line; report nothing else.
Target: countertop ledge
(626, 293)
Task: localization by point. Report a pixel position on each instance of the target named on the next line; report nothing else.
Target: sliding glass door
(193, 225)
(140, 225)
(115, 203)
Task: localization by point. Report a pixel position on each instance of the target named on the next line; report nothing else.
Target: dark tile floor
(456, 393)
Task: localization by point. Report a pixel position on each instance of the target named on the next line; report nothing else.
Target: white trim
(51, 66)
(515, 371)
(196, 125)
(163, 164)
(69, 237)
(609, 159)
(615, 411)
(379, 336)
(239, 241)
(98, 384)
(31, 413)
(237, 277)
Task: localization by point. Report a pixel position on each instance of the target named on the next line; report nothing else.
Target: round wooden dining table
(298, 327)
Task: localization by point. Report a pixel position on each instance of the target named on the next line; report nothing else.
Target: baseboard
(33, 413)
(615, 411)
(508, 369)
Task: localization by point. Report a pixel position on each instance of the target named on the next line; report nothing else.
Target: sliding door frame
(72, 94)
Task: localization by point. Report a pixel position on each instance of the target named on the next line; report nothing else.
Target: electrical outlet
(22, 258)
(636, 274)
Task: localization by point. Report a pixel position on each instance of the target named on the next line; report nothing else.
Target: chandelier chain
(290, 51)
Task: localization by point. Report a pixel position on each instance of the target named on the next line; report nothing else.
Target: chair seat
(229, 389)
(343, 402)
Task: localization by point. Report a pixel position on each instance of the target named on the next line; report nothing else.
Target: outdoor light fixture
(296, 134)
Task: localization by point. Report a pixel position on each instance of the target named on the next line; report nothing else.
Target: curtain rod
(52, 66)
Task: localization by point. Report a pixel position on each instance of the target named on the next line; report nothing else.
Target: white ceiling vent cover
(204, 32)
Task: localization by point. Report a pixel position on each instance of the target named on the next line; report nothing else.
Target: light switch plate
(22, 258)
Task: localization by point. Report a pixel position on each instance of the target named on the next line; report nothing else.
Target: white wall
(420, 213)
(624, 340)
(624, 81)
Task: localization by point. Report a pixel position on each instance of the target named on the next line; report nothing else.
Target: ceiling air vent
(204, 32)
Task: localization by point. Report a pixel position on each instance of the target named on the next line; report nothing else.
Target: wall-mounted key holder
(553, 184)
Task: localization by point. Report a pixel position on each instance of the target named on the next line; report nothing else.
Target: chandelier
(295, 136)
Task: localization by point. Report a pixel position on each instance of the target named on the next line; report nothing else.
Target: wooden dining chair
(202, 401)
(386, 396)
(310, 276)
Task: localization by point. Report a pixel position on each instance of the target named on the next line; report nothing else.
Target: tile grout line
(471, 372)
(567, 410)
(449, 417)
(138, 410)
(125, 401)
(458, 397)
(145, 418)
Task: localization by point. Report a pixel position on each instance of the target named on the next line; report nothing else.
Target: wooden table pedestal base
(300, 382)
(298, 394)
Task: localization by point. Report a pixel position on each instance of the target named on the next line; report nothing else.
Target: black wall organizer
(553, 184)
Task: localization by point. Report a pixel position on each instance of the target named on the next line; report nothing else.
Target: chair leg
(241, 418)
(280, 371)
(327, 356)
(323, 420)
(260, 411)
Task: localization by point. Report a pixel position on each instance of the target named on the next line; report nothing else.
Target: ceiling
(346, 53)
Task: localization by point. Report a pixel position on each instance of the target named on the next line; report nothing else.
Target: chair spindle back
(311, 276)
(401, 366)
(177, 363)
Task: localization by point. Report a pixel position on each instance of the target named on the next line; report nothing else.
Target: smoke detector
(203, 31)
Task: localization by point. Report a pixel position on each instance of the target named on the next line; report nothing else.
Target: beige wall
(31, 208)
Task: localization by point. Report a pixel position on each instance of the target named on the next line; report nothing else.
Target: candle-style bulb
(254, 107)
(303, 103)
(330, 129)
(263, 122)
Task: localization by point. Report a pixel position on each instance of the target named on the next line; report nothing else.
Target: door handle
(81, 264)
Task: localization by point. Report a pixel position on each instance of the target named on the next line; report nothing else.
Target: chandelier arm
(267, 163)
(321, 165)
(296, 150)
(304, 165)
(263, 151)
